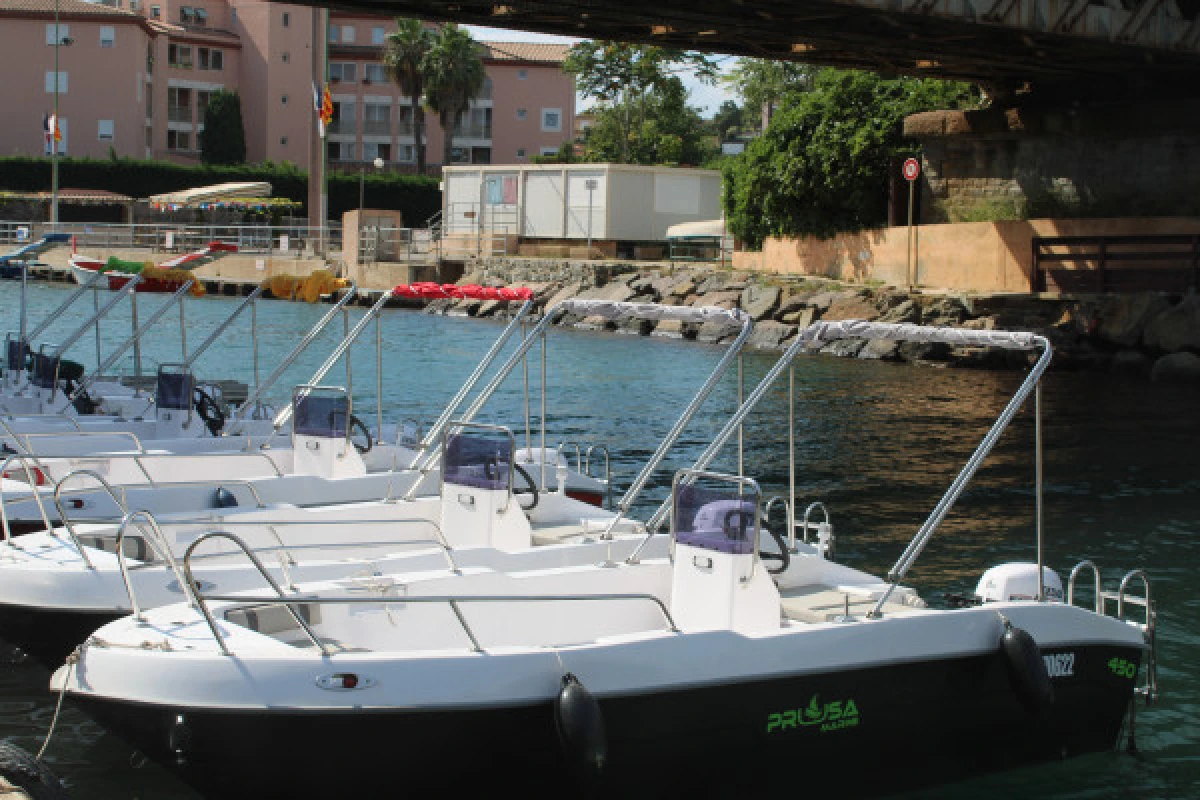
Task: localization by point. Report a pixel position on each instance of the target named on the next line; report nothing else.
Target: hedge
(416, 197)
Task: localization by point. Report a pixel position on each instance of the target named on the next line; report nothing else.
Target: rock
(880, 350)
(1177, 368)
(914, 352)
(850, 307)
(716, 332)
(20, 769)
(803, 317)
(791, 303)
(595, 323)
(638, 327)
(906, 311)
(759, 301)
(644, 290)
(980, 324)
(614, 291)
(673, 329)
(821, 301)
(568, 291)
(1131, 362)
(489, 307)
(1121, 319)
(720, 282)
(944, 311)
(718, 299)
(845, 348)
(1177, 328)
(677, 286)
(770, 335)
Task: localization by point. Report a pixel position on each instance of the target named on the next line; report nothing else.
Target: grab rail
(74, 434)
(578, 454)
(155, 541)
(23, 460)
(55, 416)
(63, 306)
(137, 459)
(1098, 601)
(1142, 601)
(291, 603)
(587, 470)
(304, 342)
(766, 516)
(121, 349)
(167, 485)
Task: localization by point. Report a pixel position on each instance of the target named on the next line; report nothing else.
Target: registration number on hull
(1060, 665)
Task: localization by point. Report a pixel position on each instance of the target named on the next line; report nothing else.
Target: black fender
(1026, 669)
(580, 727)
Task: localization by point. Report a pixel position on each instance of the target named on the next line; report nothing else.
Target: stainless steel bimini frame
(818, 335)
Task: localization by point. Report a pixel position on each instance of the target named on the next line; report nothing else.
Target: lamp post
(590, 184)
(58, 40)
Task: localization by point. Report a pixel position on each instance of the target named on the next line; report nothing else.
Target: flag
(51, 130)
(323, 105)
(53, 126)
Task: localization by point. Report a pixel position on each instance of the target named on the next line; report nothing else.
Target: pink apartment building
(134, 77)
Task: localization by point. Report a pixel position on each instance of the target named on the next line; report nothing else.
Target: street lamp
(362, 188)
(65, 41)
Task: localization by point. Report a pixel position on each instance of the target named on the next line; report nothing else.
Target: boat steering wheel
(532, 489)
(784, 556)
(355, 422)
(208, 410)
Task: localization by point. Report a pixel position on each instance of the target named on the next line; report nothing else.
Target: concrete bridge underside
(1113, 47)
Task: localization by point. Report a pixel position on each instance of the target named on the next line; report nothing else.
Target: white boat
(166, 276)
(704, 670)
(57, 586)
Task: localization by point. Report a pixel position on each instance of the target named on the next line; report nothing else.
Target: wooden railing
(1133, 263)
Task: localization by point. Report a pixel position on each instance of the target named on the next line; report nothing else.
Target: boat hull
(49, 635)
(861, 732)
(84, 268)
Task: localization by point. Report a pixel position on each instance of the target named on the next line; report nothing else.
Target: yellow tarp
(308, 288)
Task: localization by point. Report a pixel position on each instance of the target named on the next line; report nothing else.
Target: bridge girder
(994, 43)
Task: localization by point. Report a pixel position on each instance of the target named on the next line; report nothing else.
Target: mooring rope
(70, 663)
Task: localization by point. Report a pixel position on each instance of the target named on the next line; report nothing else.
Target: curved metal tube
(158, 543)
(1099, 593)
(23, 459)
(66, 519)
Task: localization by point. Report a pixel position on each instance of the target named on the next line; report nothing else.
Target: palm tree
(404, 56)
(454, 76)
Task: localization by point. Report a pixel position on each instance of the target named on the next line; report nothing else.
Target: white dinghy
(690, 672)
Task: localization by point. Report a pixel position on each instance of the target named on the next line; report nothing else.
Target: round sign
(911, 169)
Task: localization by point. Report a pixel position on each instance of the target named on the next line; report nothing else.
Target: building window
(179, 104)
(210, 58)
(186, 15)
(283, 140)
(343, 72)
(377, 118)
(284, 99)
(378, 35)
(105, 130)
(286, 57)
(551, 120)
(200, 17)
(64, 32)
(549, 151)
(62, 82)
(347, 34)
(407, 153)
(202, 98)
(375, 73)
(179, 140)
(520, 113)
(233, 15)
(339, 151)
(522, 74)
(149, 137)
(374, 150)
(155, 12)
(287, 19)
(179, 55)
(343, 117)
(333, 34)
(107, 35)
(520, 152)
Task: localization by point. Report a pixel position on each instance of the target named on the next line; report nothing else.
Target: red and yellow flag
(326, 106)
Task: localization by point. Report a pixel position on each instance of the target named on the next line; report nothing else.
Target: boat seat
(273, 619)
(821, 603)
(557, 534)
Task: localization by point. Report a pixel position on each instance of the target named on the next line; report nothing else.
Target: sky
(706, 98)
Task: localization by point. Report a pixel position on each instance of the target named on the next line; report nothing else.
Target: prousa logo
(832, 716)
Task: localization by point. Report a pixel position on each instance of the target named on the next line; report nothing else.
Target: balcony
(473, 131)
(343, 126)
(377, 127)
(179, 114)
(406, 128)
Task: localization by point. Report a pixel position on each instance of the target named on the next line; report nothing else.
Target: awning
(706, 229)
(211, 194)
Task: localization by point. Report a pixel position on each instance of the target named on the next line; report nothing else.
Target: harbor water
(877, 443)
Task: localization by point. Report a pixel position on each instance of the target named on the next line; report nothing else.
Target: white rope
(821, 332)
(70, 663)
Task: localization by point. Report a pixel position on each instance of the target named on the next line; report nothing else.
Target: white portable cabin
(602, 202)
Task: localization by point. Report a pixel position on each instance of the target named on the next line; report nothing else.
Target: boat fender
(20, 769)
(223, 498)
(1026, 669)
(580, 728)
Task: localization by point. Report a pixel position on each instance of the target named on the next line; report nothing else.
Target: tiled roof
(65, 7)
(536, 52)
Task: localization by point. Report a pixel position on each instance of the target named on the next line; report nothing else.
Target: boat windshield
(45, 369)
(16, 355)
(478, 458)
(723, 519)
(321, 414)
(174, 388)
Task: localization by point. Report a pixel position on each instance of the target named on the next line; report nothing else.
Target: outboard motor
(478, 507)
(718, 581)
(1017, 581)
(321, 427)
(173, 391)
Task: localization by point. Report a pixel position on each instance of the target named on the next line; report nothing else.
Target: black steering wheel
(208, 410)
(355, 422)
(532, 489)
(735, 523)
(784, 556)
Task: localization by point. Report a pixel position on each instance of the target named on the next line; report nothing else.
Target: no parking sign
(912, 168)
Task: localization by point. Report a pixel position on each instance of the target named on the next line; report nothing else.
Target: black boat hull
(49, 635)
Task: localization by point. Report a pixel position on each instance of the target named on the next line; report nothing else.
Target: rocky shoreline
(1147, 335)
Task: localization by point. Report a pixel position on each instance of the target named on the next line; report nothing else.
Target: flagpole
(324, 178)
(54, 127)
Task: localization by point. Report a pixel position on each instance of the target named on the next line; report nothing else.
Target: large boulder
(724, 299)
(850, 306)
(770, 335)
(1176, 329)
(759, 301)
(906, 311)
(880, 350)
(845, 348)
(945, 311)
(1177, 368)
(716, 332)
(1131, 362)
(802, 317)
(1122, 318)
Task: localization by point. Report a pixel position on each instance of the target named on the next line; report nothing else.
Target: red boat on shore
(166, 276)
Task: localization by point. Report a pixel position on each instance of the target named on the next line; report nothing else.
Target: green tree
(667, 131)
(454, 76)
(621, 77)
(822, 165)
(404, 53)
(224, 135)
(728, 120)
(763, 84)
